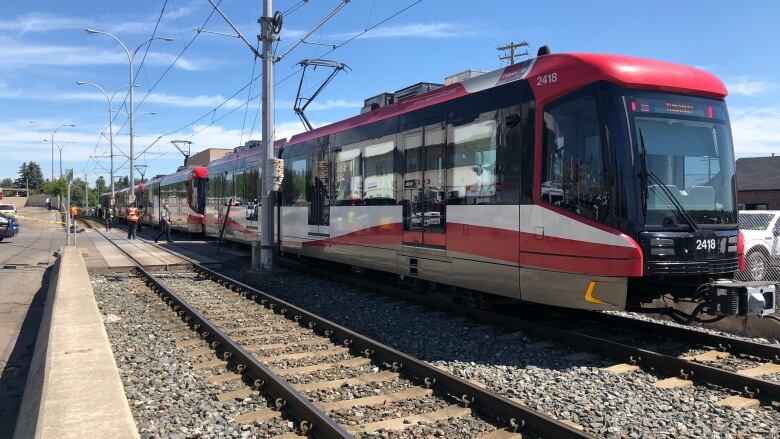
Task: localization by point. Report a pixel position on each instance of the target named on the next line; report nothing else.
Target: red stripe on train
(526, 249)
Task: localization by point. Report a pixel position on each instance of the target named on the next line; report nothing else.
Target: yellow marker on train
(589, 294)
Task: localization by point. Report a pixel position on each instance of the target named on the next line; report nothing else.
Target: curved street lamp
(132, 84)
(110, 126)
(52, 133)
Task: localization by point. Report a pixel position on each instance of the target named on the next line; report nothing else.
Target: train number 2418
(549, 78)
(705, 244)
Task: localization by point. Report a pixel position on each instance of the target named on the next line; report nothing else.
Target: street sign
(69, 175)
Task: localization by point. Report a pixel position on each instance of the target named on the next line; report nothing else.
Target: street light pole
(131, 110)
(52, 133)
(110, 130)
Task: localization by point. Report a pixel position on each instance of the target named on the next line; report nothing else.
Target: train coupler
(734, 298)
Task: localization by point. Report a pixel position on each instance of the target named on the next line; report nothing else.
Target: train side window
(572, 158)
(379, 169)
(229, 189)
(349, 177)
(295, 182)
(472, 162)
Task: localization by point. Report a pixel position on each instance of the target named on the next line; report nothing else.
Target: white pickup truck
(761, 232)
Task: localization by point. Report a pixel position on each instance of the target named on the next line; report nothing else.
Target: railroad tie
(673, 383)
(763, 369)
(188, 343)
(210, 364)
(622, 368)
(398, 424)
(335, 384)
(711, 355)
(256, 415)
(266, 347)
(414, 392)
(199, 352)
(299, 355)
(352, 362)
(501, 434)
(242, 393)
(223, 377)
(738, 402)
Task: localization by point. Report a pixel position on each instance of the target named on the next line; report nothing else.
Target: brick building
(758, 183)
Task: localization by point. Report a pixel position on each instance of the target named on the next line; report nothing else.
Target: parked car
(8, 208)
(9, 227)
(761, 232)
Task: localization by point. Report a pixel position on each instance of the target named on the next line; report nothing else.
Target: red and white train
(576, 180)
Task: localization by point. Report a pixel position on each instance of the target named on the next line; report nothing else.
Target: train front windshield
(685, 155)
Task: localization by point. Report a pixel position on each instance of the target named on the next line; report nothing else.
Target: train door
(424, 191)
(319, 183)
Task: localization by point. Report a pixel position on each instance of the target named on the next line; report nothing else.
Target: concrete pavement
(24, 262)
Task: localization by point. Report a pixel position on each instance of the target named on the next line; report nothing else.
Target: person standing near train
(165, 224)
(109, 217)
(132, 220)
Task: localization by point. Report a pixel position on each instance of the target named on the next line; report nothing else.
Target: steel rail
(645, 359)
(514, 415)
(727, 344)
(311, 419)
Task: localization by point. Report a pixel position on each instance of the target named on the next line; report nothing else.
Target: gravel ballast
(168, 398)
(579, 390)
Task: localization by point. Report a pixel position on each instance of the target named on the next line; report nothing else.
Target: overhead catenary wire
(212, 111)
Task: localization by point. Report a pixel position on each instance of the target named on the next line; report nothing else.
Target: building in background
(207, 155)
(758, 183)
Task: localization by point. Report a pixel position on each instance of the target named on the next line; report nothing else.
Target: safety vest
(132, 214)
(74, 211)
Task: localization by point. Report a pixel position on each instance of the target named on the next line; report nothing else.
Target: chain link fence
(761, 232)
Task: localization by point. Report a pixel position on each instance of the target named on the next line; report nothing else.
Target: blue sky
(44, 51)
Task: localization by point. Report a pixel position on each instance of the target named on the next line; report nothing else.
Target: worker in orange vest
(132, 220)
(74, 212)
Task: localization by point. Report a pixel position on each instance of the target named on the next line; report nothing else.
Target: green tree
(7, 182)
(30, 175)
(56, 187)
(121, 183)
(100, 185)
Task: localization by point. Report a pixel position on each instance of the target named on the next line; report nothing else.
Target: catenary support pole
(267, 36)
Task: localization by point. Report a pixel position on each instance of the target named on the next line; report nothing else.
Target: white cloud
(45, 22)
(756, 130)
(203, 101)
(23, 55)
(747, 87)
(414, 30)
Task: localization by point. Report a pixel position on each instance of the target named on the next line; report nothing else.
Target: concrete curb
(73, 387)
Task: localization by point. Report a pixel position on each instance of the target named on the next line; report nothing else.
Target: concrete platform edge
(73, 387)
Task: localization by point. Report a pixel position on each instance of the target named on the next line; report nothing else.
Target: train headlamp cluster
(662, 247)
(732, 248)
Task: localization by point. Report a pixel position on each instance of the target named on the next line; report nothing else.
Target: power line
(286, 78)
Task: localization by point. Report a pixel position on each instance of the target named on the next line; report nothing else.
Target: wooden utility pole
(512, 48)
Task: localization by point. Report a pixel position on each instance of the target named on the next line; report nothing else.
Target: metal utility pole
(511, 47)
(86, 193)
(268, 34)
(69, 176)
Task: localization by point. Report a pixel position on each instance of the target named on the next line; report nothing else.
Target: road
(24, 262)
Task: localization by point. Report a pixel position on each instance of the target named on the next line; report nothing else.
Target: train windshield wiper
(660, 183)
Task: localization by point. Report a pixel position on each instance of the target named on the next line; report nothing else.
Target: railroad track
(704, 358)
(333, 381)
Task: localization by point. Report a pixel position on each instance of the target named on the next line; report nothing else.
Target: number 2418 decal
(705, 244)
(549, 78)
